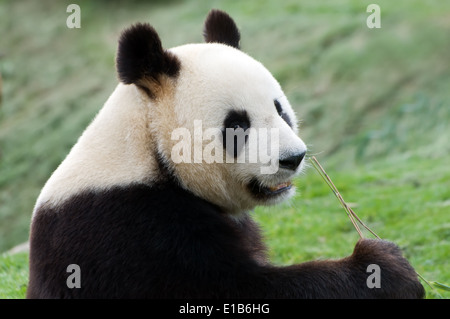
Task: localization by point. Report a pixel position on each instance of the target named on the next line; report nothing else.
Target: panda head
(218, 121)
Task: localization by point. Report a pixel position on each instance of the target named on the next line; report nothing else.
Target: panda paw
(387, 273)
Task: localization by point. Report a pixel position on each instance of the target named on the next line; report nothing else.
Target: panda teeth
(264, 191)
(280, 186)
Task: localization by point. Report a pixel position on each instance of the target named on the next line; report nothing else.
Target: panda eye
(236, 120)
(233, 121)
(281, 113)
(278, 107)
(236, 126)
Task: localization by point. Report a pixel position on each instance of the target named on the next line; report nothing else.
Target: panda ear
(141, 57)
(220, 27)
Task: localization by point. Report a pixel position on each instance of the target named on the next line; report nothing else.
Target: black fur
(281, 113)
(233, 139)
(220, 28)
(164, 242)
(140, 56)
(141, 242)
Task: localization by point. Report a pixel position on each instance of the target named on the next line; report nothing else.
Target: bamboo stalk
(351, 215)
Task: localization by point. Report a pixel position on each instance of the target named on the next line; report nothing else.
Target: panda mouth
(264, 192)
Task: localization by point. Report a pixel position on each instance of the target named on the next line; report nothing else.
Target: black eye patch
(235, 132)
(281, 113)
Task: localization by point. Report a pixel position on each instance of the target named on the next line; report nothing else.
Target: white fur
(113, 150)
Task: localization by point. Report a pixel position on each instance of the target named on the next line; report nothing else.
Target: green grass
(373, 106)
(13, 275)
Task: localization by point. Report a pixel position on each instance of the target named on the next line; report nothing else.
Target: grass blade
(440, 285)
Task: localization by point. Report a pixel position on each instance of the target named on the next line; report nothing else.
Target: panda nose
(293, 161)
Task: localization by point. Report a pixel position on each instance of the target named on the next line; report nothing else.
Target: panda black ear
(220, 27)
(141, 57)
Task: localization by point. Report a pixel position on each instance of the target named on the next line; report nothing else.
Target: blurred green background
(374, 106)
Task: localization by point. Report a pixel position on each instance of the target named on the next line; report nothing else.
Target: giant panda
(140, 223)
